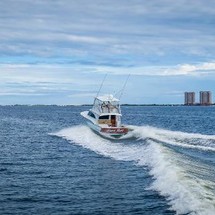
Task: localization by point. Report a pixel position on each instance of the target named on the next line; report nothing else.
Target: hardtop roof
(106, 98)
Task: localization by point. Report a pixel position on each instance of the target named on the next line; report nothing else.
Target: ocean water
(51, 163)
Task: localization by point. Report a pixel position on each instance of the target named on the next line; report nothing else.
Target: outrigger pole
(122, 90)
(101, 85)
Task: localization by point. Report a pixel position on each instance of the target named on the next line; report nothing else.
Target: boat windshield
(106, 106)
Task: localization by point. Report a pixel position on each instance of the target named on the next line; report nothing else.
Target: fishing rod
(123, 88)
(101, 85)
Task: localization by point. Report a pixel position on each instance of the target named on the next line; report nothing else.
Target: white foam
(185, 192)
(83, 136)
(183, 139)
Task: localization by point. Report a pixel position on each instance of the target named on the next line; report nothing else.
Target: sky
(59, 51)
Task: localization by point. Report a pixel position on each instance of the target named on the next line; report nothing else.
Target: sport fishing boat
(105, 117)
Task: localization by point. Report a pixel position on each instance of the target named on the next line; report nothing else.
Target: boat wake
(177, 138)
(185, 191)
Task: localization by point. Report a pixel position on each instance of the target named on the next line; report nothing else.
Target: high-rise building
(189, 98)
(205, 97)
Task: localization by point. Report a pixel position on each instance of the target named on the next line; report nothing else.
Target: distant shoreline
(123, 105)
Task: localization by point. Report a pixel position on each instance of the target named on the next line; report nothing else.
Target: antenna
(122, 90)
(101, 85)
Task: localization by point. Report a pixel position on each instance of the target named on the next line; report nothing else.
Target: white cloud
(94, 28)
(178, 70)
(49, 76)
(188, 69)
(87, 39)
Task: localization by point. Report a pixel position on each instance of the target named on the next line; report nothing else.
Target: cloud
(108, 28)
(65, 76)
(207, 68)
(188, 69)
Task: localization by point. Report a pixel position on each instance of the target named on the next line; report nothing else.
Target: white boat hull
(111, 132)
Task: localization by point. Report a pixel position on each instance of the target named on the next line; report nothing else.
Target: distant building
(189, 98)
(205, 97)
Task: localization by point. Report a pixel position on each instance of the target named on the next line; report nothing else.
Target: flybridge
(106, 104)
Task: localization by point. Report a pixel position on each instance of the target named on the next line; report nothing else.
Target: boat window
(91, 114)
(104, 117)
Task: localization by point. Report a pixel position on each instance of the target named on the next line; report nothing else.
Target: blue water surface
(41, 173)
